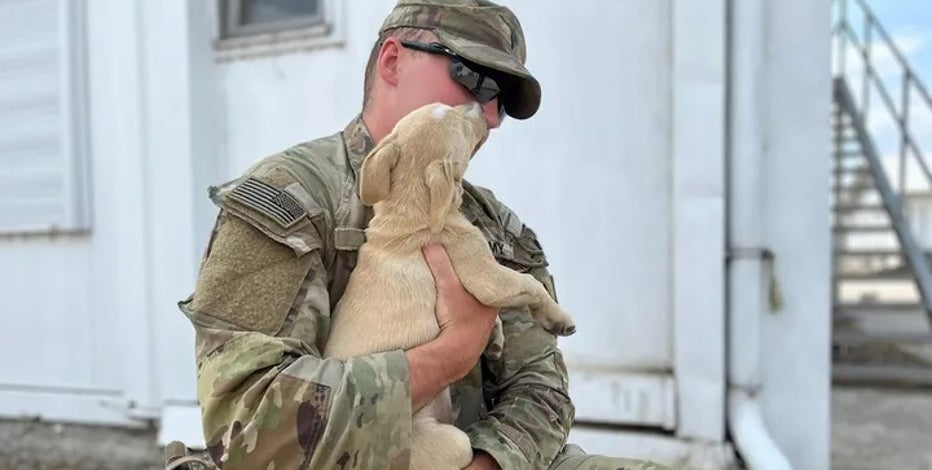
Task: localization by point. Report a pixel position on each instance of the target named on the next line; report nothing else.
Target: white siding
(42, 122)
(60, 312)
(795, 341)
(620, 174)
(89, 321)
(33, 326)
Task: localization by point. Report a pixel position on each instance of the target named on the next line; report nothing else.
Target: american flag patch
(269, 200)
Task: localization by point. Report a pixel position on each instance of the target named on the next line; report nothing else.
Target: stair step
(868, 253)
(881, 373)
(882, 276)
(846, 138)
(858, 207)
(858, 337)
(853, 309)
(848, 154)
(848, 188)
(866, 228)
(851, 170)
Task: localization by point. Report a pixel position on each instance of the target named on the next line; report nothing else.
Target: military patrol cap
(479, 31)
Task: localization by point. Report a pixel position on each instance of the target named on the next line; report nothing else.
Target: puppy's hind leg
(436, 446)
(497, 286)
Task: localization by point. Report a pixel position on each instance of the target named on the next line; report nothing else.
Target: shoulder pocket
(284, 215)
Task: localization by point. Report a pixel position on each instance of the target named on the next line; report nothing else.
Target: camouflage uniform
(278, 261)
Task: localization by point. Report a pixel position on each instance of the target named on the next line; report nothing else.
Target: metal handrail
(844, 32)
(888, 101)
(913, 254)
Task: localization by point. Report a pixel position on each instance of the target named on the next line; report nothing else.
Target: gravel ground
(881, 429)
(34, 445)
(872, 429)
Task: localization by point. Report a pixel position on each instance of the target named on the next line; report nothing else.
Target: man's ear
(387, 62)
(375, 175)
(439, 178)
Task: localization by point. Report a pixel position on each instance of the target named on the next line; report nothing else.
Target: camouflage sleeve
(531, 412)
(261, 315)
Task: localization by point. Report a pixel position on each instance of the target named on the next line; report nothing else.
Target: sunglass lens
(482, 87)
(487, 89)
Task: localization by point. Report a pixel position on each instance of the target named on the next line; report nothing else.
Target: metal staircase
(882, 280)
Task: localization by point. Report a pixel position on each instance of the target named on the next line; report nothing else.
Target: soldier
(284, 245)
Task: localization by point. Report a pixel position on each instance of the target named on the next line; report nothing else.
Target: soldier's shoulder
(319, 167)
(321, 160)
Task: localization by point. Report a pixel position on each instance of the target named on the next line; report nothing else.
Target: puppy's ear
(439, 178)
(375, 176)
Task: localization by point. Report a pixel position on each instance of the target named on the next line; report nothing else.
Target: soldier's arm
(532, 413)
(261, 313)
(266, 396)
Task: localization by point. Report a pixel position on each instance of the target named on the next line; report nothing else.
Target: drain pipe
(746, 255)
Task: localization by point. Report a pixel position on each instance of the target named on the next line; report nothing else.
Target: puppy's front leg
(497, 286)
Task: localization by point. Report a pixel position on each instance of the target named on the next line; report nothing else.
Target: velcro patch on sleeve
(272, 202)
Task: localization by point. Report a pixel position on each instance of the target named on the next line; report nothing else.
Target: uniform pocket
(521, 253)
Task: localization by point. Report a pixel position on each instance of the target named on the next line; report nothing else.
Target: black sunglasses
(464, 72)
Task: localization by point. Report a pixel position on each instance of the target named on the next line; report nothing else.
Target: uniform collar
(358, 142)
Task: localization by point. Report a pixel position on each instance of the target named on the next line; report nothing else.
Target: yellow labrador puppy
(413, 178)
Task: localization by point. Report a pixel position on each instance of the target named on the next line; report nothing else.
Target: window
(252, 17)
(261, 28)
(43, 125)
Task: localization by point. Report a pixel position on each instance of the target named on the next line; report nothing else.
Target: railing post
(904, 133)
(866, 53)
(842, 36)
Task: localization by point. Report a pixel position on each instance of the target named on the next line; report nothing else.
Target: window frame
(330, 32)
(232, 27)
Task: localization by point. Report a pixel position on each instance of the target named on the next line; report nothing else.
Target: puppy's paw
(555, 320)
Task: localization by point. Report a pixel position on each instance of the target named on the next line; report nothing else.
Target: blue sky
(909, 23)
(909, 18)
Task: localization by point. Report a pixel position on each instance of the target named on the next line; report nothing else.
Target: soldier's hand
(483, 461)
(463, 319)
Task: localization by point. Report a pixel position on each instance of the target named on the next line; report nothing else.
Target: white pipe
(746, 280)
(750, 433)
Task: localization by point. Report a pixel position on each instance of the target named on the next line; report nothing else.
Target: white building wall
(620, 174)
(795, 349)
(74, 338)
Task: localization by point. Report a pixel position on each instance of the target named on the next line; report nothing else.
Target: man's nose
(490, 113)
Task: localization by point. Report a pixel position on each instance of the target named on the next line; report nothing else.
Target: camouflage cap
(479, 31)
